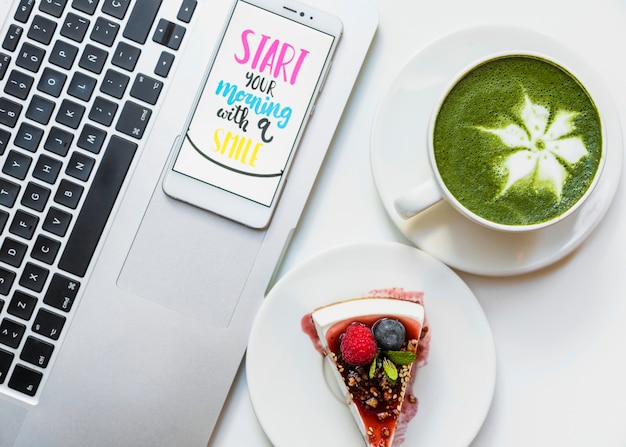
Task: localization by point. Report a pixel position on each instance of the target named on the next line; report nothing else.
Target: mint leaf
(401, 357)
(373, 366)
(390, 370)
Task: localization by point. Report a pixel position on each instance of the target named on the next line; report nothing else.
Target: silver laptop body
(138, 347)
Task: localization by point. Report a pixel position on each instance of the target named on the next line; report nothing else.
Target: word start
(278, 58)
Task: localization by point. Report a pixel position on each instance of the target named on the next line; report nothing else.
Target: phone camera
(301, 14)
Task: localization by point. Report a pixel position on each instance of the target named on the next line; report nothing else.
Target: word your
(276, 57)
(257, 104)
(257, 82)
(236, 147)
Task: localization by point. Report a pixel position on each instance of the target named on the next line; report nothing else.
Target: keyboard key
(81, 86)
(70, 114)
(86, 6)
(28, 137)
(133, 120)
(104, 31)
(22, 305)
(45, 249)
(24, 9)
(5, 137)
(37, 352)
(57, 221)
(126, 56)
(12, 37)
(8, 192)
(47, 169)
(58, 141)
(93, 59)
(19, 84)
(164, 64)
(4, 218)
(40, 109)
(7, 277)
(24, 224)
(51, 82)
(80, 166)
(6, 358)
(63, 54)
(169, 34)
(53, 7)
(103, 111)
(48, 324)
(17, 164)
(163, 31)
(68, 194)
(12, 252)
(30, 57)
(141, 19)
(114, 83)
(42, 30)
(33, 277)
(185, 13)
(146, 88)
(5, 60)
(61, 294)
(115, 8)
(75, 27)
(25, 380)
(91, 138)
(9, 112)
(35, 197)
(11, 333)
(99, 202)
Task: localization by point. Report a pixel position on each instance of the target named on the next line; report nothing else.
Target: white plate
(285, 373)
(398, 163)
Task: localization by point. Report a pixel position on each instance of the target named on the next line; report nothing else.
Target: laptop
(124, 314)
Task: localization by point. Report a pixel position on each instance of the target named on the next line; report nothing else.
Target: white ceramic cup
(433, 190)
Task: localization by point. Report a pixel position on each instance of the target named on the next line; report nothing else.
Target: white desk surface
(560, 333)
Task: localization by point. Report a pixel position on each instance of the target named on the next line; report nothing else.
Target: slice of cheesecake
(372, 344)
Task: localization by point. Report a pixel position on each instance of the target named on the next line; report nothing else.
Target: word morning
(234, 95)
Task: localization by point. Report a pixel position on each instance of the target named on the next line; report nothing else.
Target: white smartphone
(260, 89)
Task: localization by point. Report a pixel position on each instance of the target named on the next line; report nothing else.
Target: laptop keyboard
(79, 82)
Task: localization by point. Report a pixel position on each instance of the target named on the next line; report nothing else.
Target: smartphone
(259, 91)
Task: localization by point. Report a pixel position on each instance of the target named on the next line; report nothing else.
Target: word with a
(236, 114)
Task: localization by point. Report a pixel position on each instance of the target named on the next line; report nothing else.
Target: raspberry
(358, 346)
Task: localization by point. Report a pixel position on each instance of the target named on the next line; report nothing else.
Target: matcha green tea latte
(517, 140)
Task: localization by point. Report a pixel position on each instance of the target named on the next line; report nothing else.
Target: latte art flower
(543, 148)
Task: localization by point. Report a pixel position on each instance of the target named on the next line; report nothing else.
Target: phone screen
(254, 104)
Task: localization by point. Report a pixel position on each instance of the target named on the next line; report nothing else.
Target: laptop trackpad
(12, 418)
(190, 260)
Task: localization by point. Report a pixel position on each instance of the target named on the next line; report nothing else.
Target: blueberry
(389, 334)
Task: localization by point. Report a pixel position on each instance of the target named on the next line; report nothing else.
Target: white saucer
(400, 128)
(285, 373)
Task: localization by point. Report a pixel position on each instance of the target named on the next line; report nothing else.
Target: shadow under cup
(517, 143)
